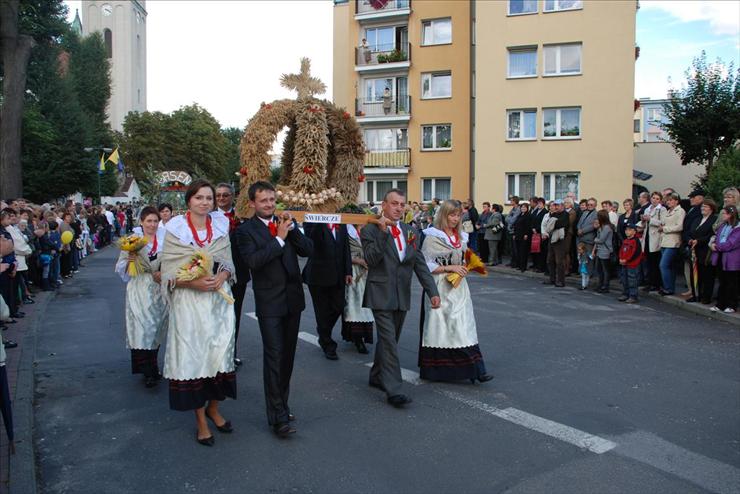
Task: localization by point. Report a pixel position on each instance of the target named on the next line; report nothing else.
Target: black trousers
(541, 261)
(328, 305)
(654, 277)
(728, 286)
(238, 291)
(8, 291)
(706, 282)
(483, 247)
(522, 253)
(279, 338)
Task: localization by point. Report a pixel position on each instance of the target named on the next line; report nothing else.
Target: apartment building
(490, 98)
(405, 70)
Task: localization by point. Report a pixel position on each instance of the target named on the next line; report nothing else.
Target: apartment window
(435, 188)
(520, 185)
(386, 139)
(557, 185)
(636, 125)
(653, 115)
(521, 124)
(557, 5)
(436, 32)
(436, 85)
(380, 38)
(563, 59)
(523, 62)
(561, 123)
(517, 7)
(375, 190)
(436, 137)
(374, 88)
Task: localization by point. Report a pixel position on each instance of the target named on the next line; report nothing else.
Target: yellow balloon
(67, 237)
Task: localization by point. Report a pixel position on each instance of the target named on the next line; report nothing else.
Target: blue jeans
(667, 272)
(54, 269)
(629, 278)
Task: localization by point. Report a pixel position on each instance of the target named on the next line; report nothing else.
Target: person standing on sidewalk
(670, 228)
(726, 257)
(630, 255)
(603, 248)
(557, 254)
(699, 239)
(651, 222)
(494, 231)
(585, 230)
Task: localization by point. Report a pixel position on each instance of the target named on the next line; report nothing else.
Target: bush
(725, 173)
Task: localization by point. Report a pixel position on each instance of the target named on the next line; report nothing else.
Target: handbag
(468, 226)
(497, 228)
(536, 243)
(45, 259)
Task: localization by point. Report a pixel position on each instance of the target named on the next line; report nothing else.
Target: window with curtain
(436, 85)
(436, 188)
(374, 88)
(522, 7)
(380, 38)
(563, 59)
(561, 123)
(556, 5)
(558, 185)
(522, 124)
(436, 32)
(520, 185)
(436, 136)
(523, 61)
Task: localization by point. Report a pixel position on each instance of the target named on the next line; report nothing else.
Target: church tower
(123, 27)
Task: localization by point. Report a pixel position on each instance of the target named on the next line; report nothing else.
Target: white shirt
(110, 218)
(395, 243)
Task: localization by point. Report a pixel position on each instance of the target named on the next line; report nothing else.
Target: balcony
(377, 110)
(387, 158)
(384, 57)
(381, 9)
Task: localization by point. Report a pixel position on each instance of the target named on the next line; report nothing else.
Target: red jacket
(631, 252)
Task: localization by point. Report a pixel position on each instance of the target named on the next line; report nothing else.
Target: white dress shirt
(395, 244)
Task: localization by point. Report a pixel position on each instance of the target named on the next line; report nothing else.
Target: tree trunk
(15, 50)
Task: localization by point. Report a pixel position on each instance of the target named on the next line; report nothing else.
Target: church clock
(107, 9)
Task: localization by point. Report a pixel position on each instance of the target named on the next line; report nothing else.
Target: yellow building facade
(490, 98)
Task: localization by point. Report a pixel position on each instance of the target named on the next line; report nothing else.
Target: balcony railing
(383, 107)
(367, 55)
(383, 158)
(376, 6)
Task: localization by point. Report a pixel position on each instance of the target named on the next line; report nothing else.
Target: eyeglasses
(223, 195)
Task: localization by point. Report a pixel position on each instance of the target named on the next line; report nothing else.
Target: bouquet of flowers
(133, 243)
(473, 263)
(199, 265)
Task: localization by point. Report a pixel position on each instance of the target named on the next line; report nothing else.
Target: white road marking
(706, 472)
(565, 433)
(309, 338)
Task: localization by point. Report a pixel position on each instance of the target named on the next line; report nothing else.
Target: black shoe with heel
(206, 441)
(226, 427)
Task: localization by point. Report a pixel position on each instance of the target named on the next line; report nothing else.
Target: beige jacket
(672, 228)
(654, 236)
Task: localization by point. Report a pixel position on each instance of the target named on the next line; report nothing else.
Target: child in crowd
(584, 259)
(630, 256)
(55, 278)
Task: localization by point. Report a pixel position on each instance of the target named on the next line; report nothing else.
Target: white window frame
(431, 22)
(558, 129)
(654, 115)
(373, 180)
(549, 195)
(556, 7)
(430, 76)
(559, 72)
(508, 9)
(375, 48)
(516, 191)
(434, 137)
(521, 111)
(513, 49)
(434, 187)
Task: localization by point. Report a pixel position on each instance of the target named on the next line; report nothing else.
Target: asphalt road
(590, 395)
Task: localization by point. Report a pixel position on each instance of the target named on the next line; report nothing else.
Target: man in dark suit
(692, 218)
(225, 203)
(270, 247)
(327, 273)
(392, 252)
(539, 260)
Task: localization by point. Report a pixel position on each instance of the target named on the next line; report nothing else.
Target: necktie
(396, 234)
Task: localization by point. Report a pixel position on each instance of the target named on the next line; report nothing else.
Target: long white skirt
(452, 325)
(146, 313)
(353, 309)
(200, 337)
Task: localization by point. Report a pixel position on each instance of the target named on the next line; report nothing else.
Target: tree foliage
(188, 139)
(233, 137)
(725, 173)
(705, 114)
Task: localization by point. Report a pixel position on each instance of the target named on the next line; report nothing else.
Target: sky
(228, 56)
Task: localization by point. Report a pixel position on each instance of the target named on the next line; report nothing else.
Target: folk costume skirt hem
(357, 331)
(145, 362)
(192, 394)
(451, 364)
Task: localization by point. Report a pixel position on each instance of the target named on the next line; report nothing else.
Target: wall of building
(661, 161)
(603, 154)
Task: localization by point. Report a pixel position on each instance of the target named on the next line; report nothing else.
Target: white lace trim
(178, 226)
(137, 230)
(436, 232)
(353, 233)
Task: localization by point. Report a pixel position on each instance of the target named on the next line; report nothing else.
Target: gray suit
(388, 294)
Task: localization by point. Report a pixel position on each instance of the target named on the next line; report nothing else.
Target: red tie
(396, 234)
(273, 228)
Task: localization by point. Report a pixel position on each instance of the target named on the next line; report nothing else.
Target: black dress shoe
(291, 417)
(206, 441)
(9, 344)
(237, 361)
(485, 378)
(692, 300)
(399, 401)
(331, 354)
(361, 348)
(283, 430)
(226, 427)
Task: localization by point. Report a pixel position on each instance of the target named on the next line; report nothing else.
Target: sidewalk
(616, 288)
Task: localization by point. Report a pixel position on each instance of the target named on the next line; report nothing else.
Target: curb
(22, 474)
(697, 309)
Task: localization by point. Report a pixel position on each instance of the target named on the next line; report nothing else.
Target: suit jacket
(586, 225)
(702, 234)
(276, 276)
(331, 260)
(537, 216)
(693, 217)
(388, 277)
(242, 270)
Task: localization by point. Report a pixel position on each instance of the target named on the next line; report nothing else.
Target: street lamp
(106, 150)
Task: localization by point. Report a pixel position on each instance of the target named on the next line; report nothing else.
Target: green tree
(233, 137)
(705, 114)
(725, 173)
(144, 142)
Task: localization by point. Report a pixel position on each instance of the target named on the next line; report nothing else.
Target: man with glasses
(225, 204)
(585, 231)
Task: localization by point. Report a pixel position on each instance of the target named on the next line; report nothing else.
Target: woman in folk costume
(146, 311)
(199, 361)
(449, 341)
(357, 321)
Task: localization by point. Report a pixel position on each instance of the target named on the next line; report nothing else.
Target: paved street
(590, 395)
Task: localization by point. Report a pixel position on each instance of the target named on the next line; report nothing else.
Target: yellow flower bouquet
(133, 243)
(199, 265)
(473, 263)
